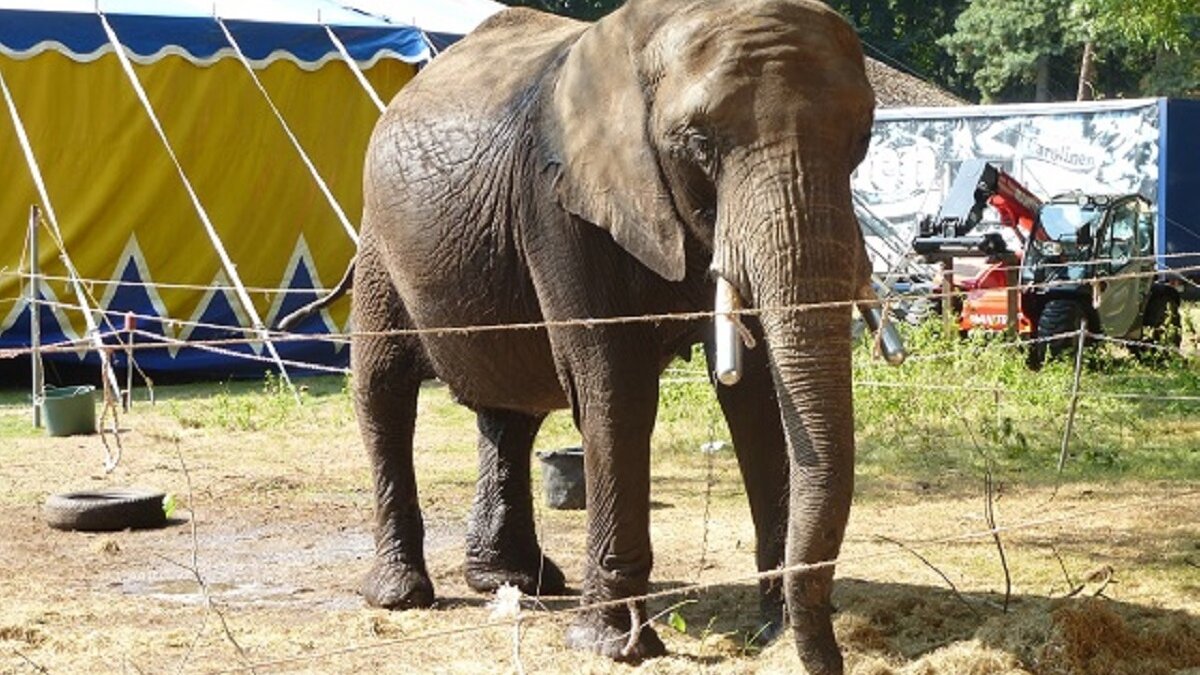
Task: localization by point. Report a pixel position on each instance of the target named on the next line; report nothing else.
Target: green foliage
(675, 620)
(272, 406)
(1170, 25)
(1033, 49)
(904, 34)
(958, 404)
(1001, 42)
(586, 10)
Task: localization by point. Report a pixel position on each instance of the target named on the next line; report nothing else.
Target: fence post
(1066, 439)
(1012, 278)
(949, 318)
(35, 317)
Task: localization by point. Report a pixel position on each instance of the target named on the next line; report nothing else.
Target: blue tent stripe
(21, 30)
(201, 37)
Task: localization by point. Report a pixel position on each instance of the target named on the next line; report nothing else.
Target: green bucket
(69, 411)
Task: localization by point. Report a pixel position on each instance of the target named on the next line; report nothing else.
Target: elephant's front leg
(614, 397)
(752, 413)
(502, 546)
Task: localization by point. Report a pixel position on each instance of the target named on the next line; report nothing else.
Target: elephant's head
(737, 123)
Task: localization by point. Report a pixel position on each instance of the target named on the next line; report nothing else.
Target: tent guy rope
(308, 163)
(214, 238)
(109, 374)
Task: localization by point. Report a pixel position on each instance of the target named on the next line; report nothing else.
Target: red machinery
(990, 298)
(1079, 260)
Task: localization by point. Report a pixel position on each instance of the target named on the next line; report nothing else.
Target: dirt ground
(281, 519)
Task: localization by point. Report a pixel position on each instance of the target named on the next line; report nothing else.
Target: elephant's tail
(347, 282)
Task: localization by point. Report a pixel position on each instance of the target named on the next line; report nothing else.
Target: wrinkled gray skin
(544, 169)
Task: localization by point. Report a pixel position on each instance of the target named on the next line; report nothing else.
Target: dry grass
(282, 513)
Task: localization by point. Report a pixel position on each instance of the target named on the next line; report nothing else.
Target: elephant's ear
(610, 174)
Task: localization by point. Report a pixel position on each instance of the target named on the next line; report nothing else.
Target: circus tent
(197, 167)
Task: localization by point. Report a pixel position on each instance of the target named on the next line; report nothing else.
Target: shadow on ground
(885, 626)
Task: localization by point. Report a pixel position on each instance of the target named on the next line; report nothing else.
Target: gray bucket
(563, 480)
(69, 411)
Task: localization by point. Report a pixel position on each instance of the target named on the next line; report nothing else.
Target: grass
(952, 409)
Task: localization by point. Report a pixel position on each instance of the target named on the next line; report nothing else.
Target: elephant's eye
(698, 147)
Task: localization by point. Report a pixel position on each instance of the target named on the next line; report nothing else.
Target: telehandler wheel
(1160, 326)
(1055, 331)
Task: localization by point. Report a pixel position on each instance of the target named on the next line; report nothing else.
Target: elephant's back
(446, 148)
(490, 71)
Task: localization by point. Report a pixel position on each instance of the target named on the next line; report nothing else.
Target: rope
(214, 237)
(358, 73)
(243, 355)
(619, 320)
(267, 290)
(312, 169)
(264, 290)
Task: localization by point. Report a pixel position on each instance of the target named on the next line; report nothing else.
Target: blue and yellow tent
(187, 190)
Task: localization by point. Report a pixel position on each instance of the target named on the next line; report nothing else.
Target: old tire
(1060, 317)
(105, 510)
(1160, 326)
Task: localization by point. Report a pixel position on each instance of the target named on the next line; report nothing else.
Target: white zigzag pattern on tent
(133, 253)
(173, 329)
(301, 254)
(220, 284)
(56, 310)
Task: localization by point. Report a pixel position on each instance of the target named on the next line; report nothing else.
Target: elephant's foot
(394, 585)
(534, 575)
(816, 644)
(607, 633)
(771, 615)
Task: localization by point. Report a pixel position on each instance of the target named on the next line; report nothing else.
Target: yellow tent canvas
(135, 235)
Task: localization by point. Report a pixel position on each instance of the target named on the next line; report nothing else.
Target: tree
(1001, 43)
(587, 10)
(1171, 25)
(1168, 31)
(904, 34)
(1109, 47)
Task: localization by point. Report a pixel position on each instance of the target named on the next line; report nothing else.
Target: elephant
(547, 171)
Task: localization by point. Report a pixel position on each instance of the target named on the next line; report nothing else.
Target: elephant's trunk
(810, 356)
(802, 270)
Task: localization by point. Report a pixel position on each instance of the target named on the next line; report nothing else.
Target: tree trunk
(1042, 93)
(1087, 73)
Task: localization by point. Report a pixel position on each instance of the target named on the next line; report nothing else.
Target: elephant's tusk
(886, 336)
(729, 339)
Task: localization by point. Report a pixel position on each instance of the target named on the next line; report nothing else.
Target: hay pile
(895, 89)
(897, 634)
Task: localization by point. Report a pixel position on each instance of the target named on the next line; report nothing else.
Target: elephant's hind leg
(502, 546)
(388, 370)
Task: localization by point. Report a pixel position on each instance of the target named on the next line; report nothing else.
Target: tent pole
(358, 73)
(35, 317)
(226, 263)
(106, 370)
(312, 169)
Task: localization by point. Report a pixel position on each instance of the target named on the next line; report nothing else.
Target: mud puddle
(273, 565)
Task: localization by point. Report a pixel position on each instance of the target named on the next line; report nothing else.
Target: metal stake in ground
(35, 317)
(1066, 439)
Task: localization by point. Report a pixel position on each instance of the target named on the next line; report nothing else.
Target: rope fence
(268, 336)
(271, 290)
